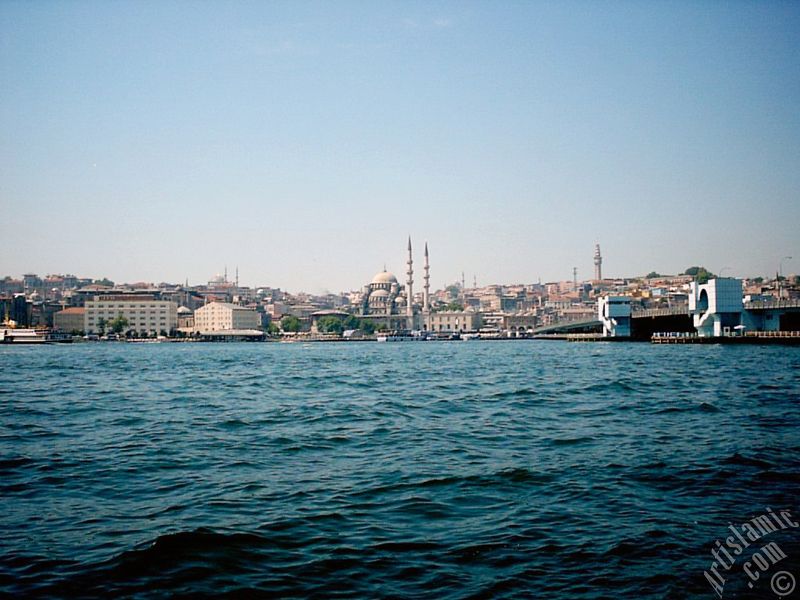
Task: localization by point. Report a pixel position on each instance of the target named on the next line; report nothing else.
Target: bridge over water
(777, 314)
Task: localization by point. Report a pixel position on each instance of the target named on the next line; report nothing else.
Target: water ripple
(513, 469)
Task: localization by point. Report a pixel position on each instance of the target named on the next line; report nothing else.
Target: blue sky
(304, 142)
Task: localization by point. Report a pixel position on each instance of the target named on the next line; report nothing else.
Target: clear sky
(305, 141)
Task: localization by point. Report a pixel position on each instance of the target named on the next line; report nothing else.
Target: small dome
(379, 294)
(384, 277)
(182, 310)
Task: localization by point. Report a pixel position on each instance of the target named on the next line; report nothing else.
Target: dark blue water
(428, 470)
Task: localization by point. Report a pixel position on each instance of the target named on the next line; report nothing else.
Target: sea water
(510, 469)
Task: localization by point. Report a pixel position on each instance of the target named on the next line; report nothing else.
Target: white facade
(222, 316)
(615, 314)
(716, 306)
(143, 313)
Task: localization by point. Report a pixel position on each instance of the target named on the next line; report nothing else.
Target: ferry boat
(10, 335)
(404, 336)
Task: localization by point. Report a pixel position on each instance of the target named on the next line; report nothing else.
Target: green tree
(118, 324)
(450, 306)
(352, 322)
(101, 325)
(700, 274)
(367, 327)
(104, 281)
(703, 276)
(291, 324)
(330, 324)
(273, 329)
(758, 280)
(652, 274)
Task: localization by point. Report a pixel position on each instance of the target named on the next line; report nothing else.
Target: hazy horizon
(304, 142)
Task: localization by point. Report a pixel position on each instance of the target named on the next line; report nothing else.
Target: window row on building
(150, 316)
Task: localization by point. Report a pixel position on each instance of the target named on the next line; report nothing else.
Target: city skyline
(232, 276)
(304, 142)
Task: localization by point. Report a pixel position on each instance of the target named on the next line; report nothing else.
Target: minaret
(575, 279)
(426, 294)
(598, 263)
(410, 288)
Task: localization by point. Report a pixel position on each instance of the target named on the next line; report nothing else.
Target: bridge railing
(771, 334)
(680, 309)
(770, 304)
(561, 323)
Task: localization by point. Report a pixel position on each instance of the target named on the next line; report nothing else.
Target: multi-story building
(31, 281)
(70, 319)
(185, 319)
(222, 316)
(453, 321)
(11, 286)
(144, 313)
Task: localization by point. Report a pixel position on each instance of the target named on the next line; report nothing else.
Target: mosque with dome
(387, 301)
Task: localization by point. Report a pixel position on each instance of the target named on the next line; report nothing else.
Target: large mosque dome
(384, 277)
(386, 297)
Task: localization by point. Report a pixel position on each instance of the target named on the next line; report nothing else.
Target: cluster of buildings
(223, 307)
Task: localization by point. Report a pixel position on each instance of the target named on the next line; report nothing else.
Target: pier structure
(716, 306)
(771, 315)
(614, 312)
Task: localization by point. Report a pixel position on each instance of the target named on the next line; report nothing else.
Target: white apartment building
(143, 313)
(222, 316)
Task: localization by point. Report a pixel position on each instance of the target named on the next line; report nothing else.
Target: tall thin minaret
(598, 263)
(426, 294)
(410, 288)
